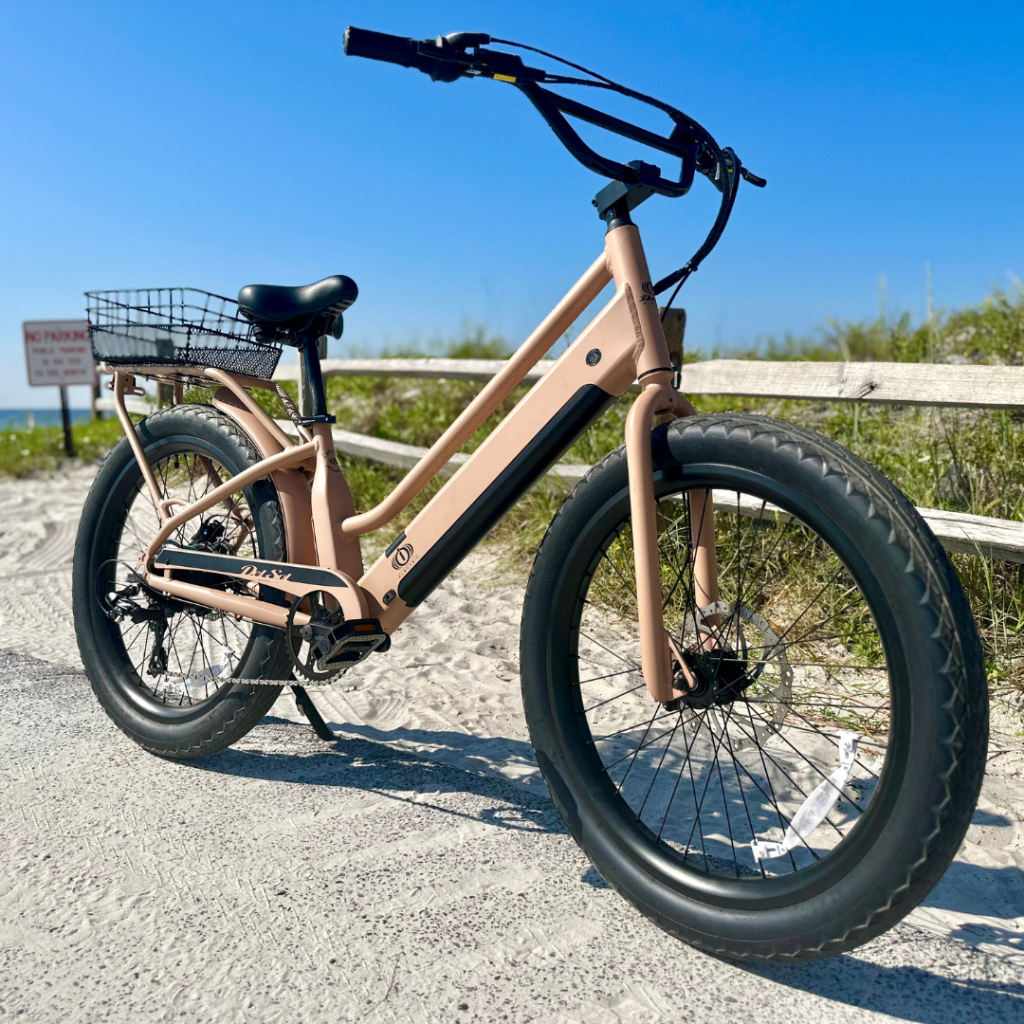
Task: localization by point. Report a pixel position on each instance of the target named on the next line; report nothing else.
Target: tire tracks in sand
(411, 869)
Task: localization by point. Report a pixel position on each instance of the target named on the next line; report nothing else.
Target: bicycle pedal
(351, 642)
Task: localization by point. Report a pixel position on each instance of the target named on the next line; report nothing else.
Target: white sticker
(816, 807)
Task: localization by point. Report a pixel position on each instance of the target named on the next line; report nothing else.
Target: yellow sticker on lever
(505, 78)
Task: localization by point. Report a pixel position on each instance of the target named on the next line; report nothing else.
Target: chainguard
(254, 570)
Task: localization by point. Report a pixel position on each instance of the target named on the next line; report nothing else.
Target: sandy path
(414, 868)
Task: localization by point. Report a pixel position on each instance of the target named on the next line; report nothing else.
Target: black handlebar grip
(361, 42)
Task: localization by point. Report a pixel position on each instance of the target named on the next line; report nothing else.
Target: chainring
(309, 644)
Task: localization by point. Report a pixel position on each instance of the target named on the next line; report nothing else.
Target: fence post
(65, 418)
(674, 323)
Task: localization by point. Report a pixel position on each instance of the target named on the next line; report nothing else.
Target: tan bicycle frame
(624, 342)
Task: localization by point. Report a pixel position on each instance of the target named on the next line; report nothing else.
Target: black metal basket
(176, 327)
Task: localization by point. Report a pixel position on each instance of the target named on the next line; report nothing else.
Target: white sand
(447, 694)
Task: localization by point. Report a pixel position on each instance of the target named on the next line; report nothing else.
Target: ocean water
(20, 419)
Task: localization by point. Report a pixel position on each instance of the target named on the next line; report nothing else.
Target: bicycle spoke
(782, 593)
(610, 675)
(644, 745)
(196, 650)
(654, 777)
(688, 764)
(770, 797)
(637, 751)
(633, 666)
(618, 696)
(635, 725)
(707, 783)
(790, 778)
(743, 797)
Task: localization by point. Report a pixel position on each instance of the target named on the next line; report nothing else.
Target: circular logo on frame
(402, 557)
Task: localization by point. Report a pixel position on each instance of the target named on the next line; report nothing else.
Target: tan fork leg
(655, 658)
(655, 643)
(705, 560)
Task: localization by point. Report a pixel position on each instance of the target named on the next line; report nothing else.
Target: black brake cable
(727, 162)
(606, 83)
(544, 53)
(730, 186)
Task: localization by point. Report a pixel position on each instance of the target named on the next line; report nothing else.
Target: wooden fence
(985, 387)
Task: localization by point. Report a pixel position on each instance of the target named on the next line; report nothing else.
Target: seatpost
(311, 383)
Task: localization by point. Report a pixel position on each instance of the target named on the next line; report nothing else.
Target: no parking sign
(59, 352)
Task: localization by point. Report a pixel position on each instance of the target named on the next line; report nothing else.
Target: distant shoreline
(25, 419)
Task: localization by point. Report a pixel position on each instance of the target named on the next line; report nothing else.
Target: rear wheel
(173, 675)
(818, 776)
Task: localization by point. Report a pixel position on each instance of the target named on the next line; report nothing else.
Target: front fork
(658, 397)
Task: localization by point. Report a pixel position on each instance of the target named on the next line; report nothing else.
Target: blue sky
(215, 144)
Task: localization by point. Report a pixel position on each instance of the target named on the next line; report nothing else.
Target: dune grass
(30, 450)
(963, 460)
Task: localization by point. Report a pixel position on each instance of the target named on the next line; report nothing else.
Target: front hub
(719, 677)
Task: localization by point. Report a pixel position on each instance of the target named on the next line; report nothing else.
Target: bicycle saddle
(285, 307)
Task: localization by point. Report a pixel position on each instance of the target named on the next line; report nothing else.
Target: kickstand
(308, 708)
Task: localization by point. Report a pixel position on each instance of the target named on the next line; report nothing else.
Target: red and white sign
(59, 352)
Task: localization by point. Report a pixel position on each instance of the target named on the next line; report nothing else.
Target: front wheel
(822, 769)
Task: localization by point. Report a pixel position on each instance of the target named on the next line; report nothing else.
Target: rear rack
(177, 327)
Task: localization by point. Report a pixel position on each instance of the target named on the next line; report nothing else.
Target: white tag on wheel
(816, 807)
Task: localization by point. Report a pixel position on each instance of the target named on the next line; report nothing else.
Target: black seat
(294, 307)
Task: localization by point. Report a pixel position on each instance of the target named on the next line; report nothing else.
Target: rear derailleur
(121, 605)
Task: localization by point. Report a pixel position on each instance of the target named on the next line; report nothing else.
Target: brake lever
(445, 60)
(460, 40)
(712, 167)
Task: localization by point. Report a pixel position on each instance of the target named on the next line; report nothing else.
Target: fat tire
(947, 690)
(237, 708)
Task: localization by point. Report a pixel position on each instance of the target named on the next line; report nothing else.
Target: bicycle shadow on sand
(914, 994)
(373, 760)
(408, 776)
(903, 991)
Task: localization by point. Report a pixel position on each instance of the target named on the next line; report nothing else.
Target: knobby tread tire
(242, 706)
(960, 753)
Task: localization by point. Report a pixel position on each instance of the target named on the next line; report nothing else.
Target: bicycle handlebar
(446, 59)
(361, 42)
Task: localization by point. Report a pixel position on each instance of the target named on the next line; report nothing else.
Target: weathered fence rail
(428, 368)
(984, 387)
(991, 387)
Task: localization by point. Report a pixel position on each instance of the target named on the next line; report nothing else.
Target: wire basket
(177, 327)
